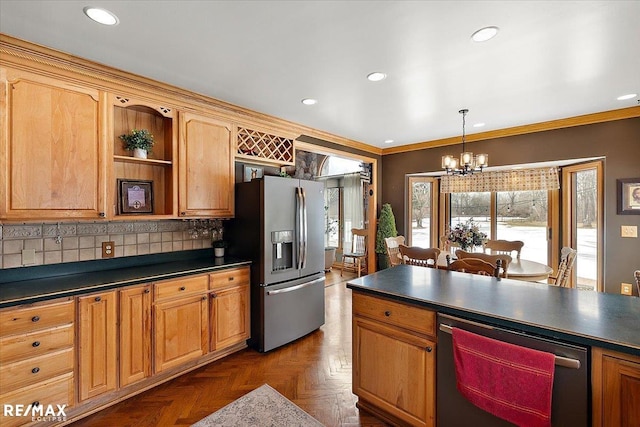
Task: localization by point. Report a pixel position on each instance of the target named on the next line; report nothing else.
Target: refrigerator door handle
(299, 231)
(296, 287)
(305, 229)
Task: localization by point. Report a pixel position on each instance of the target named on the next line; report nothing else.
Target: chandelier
(468, 163)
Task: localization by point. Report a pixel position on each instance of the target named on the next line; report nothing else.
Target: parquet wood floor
(314, 372)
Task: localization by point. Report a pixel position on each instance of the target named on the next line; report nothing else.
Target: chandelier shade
(468, 163)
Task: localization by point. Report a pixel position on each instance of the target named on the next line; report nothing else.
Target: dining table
(519, 269)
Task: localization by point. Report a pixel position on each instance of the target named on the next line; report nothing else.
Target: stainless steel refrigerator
(278, 225)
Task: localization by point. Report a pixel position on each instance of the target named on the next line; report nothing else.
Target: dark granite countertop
(32, 284)
(574, 316)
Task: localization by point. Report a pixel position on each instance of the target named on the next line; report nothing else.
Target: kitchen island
(395, 317)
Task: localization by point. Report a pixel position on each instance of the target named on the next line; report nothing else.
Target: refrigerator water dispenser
(282, 247)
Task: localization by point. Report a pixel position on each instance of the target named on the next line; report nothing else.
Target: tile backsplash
(55, 243)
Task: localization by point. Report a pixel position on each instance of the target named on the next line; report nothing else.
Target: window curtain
(353, 206)
(514, 180)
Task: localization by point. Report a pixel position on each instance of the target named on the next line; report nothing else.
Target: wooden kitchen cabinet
(54, 127)
(98, 345)
(206, 167)
(615, 380)
(181, 327)
(394, 353)
(37, 356)
(230, 322)
(135, 334)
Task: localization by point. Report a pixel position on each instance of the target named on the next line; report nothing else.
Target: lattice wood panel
(264, 146)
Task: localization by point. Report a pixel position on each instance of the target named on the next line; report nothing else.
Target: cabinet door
(618, 389)
(135, 334)
(229, 316)
(181, 331)
(97, 320)
(394, 370)
(206, 167)
(53, 152)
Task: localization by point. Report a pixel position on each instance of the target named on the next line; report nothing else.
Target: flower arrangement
(466, 235)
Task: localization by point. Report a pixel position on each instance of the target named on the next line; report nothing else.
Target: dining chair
(356, 258)
(393, 252)
(637, 274)
(567, 259)
(414, 255)
(475, 266)
(491, 259)
(503, 247)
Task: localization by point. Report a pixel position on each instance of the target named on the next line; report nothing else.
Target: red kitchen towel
(511, 382)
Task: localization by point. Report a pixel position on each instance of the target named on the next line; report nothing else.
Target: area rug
(263, 406)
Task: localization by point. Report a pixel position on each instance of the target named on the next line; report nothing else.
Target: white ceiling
(550, 60)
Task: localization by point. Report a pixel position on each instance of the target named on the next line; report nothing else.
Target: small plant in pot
(140, 141)
(386, 228)
(218, 248)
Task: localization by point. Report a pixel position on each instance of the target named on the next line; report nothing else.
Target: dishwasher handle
(565, 362)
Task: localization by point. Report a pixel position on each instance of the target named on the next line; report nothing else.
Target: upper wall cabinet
(206, 167)
(50, 149)
(256, 146)
(142, 187)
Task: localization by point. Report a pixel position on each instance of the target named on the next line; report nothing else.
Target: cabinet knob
(98, 299)
(35, 370)
(183, 213)
(35, 344)
(35, 318)
(146, 291)
(231, 279)
(101, 214)
(429, 349)
(182, 288)
(214, 295)
(204, 297)
(387, 313)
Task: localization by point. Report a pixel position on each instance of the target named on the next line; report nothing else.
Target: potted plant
(140, 141)
(386, 228)
(218, 248)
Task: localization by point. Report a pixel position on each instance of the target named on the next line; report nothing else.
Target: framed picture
(252, 172)
(629, 196)
(135, 197)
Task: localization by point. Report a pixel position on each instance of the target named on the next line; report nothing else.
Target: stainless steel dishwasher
(570, 397)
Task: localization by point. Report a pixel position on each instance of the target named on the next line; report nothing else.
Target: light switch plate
(629, 231)
(625, 289)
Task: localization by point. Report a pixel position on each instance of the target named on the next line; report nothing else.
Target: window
(421, 215)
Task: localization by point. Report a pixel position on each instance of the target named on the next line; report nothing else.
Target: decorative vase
(218, 252)
(140, 153)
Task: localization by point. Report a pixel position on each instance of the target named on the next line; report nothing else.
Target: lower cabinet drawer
(57, 391)
(230, 277)
(33, 370)
(180, 287)
(19, 347)
(32, 318)
(394, 313)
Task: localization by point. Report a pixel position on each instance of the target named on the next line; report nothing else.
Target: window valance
(513, 180)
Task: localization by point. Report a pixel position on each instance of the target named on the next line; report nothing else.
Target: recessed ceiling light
(309, 101)
(484, 34)
(388, 141)
(478, 125)
(628, 96)
(376, 76)
(101, 16)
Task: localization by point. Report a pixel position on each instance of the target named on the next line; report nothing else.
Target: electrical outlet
(625, 289)
(108, 249)
(628, 231)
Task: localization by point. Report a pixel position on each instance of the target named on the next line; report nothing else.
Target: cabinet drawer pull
(429, 349)
(231, 279)
(35, 344)
(35, 370)
(214, 295)
(182, 288)
(101, 215)
(146, 291)
(35, 318)
(98, 299)
(387, 313)
(204, 298)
